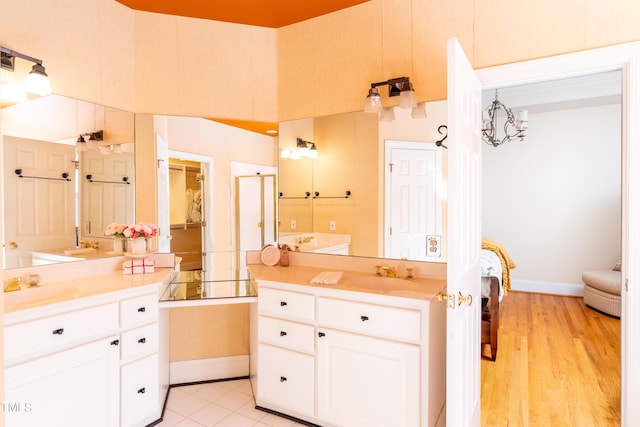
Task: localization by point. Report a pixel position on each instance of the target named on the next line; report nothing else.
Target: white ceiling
(576, 92)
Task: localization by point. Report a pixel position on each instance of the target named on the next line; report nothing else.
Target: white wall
(554, 199)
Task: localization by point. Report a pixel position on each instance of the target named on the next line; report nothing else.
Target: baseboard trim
(567, 289)
(216, 368)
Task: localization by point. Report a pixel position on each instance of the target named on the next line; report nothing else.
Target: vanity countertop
(421, 288)
(85, 287)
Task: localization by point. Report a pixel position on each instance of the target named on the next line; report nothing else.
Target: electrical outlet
(332, 225)
(293, 224)
(433, 246)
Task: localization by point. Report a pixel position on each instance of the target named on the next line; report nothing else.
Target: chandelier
(512, 128)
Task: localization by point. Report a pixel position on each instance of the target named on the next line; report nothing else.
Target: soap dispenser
(284, 255)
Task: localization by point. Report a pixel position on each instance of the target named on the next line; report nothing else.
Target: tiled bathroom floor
(220, 404)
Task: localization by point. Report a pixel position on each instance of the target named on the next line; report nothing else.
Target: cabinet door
(286, 380)
(139, 392)
(77, 387)
(365, 381)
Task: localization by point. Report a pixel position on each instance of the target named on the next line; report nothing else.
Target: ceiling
(273, 14)
(262, 13)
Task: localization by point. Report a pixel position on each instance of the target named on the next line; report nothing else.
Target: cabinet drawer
(37, 336)
(286, 379)
(139, 392)
(138, 310)
(296, 336)
(139, 341)
(375, 320)
(291, 305)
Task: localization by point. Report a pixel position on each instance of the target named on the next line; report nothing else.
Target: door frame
(208, 223)
(622, 57)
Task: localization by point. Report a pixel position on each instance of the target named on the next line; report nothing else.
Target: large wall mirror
(68, 172)
(372, 188)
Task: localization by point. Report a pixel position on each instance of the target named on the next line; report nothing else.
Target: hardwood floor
(558, 364)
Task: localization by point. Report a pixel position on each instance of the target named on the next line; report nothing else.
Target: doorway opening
(562, 183)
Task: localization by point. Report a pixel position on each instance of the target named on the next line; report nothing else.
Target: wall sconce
(303, 149)
(400, 86)
(490, 125)
(37, 81)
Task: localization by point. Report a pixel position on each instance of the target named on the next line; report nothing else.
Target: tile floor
(220, 404)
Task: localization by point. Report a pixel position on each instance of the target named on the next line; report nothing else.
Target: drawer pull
(115, 342)
(283, 303)
(321, 334)
(142, 340)
(141, 391)
(142, 310)
(58, 331)
(364, 318)
(283, 379)
(283, 333)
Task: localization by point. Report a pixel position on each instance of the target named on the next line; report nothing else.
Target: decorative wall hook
(442, 130)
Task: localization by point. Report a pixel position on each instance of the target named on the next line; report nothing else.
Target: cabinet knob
(321, 334)
(142, 340)
(364, 318)
(142, 310)
(283, 379)
(141, 391)
(283, 303)
(115, 342)
(283, 333)
(58, 331)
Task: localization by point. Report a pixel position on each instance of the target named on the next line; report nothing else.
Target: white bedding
(490, 266)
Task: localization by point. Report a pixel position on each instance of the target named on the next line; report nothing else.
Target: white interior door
(413, 219)
(249, 211)
(463, 265)
(164, 227)
(40, 206)
(107, 196)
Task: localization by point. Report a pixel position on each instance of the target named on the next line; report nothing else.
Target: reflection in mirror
(68, 173)
(224, 152)
(355, 155)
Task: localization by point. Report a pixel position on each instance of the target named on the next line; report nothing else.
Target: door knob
(451, 299)
(12, 245)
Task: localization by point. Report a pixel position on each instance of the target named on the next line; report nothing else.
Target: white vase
(118, 245)
(137, 246)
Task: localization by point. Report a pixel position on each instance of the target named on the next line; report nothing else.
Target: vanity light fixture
(512, 128)
(303, 149)
(37, 81)
(89, 140)
(387, 115)
(419, 111)
(399, 86)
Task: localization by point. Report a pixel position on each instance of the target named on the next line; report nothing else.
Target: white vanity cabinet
(82, 363)
(286, 348)
(368, 378)
(342, 358)
(139, 381)
(74, 378)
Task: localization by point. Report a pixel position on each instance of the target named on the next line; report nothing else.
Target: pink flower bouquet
(115, 230)
(133, 231)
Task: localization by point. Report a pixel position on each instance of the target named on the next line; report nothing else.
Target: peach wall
(86, 46)
(187, 66)
(326, 64)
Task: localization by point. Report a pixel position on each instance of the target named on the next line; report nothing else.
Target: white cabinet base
(287, 379)
(365, 381)
(76, 387)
